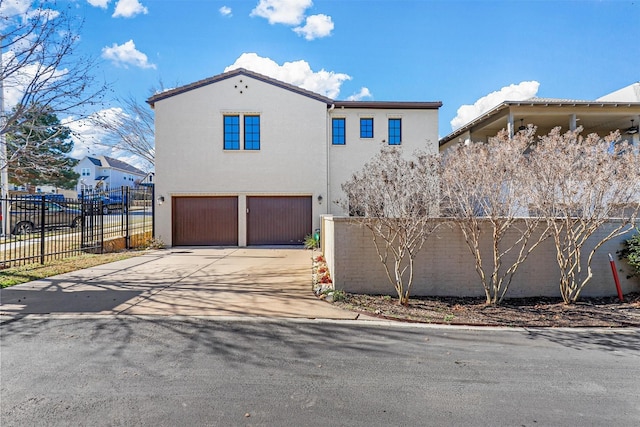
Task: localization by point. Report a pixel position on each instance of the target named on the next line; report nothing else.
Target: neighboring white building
(619, 110)
(243, 159)
(104, 173)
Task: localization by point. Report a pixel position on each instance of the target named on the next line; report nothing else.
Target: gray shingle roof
(119, 164)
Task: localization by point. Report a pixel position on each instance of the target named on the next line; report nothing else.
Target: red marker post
(615, 278)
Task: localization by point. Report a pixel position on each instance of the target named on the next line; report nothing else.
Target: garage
(278, 220)
(205, 221)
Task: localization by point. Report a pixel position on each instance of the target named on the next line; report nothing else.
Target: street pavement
(234, 337)
(187, 371)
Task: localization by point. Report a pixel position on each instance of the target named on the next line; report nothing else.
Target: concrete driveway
(199, 281)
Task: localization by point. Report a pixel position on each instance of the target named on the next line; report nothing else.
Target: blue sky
(402, 50)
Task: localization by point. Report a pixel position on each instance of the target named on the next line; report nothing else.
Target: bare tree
(40, 71)
(578, 184)
(129, 128)
(483, 188)
(396, 198)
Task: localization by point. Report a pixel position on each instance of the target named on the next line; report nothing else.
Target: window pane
(251, 132)
(395, 131)
(366, 128)
(338, 136)
(231, 132)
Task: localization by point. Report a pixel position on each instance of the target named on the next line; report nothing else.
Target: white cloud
(129, 9)
(14, 7)
(99, 3)
(288, 12)
(297, 73)
(225, 11)
(514, 92)
(316, 26)
(16, 83)
(20, 11)
(364, 93)
(86, 136)
(126, 54)
(89, 138)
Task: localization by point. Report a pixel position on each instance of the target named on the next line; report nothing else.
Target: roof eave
(389, 105)
(233, 73)
(531, 103)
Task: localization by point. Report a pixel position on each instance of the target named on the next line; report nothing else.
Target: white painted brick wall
(445, 266)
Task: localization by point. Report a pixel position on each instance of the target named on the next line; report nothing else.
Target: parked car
(26, 216)
(104, 203)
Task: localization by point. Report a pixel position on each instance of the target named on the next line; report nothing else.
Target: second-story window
(231, 132)
(338, 131)
(366, 128)
(251, 132)
(86, 172)
(395, 131)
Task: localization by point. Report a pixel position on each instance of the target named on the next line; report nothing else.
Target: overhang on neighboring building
(619, 110)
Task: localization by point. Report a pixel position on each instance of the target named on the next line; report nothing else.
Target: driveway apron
(202, 281)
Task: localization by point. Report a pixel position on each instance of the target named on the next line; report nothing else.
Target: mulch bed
(522, 312)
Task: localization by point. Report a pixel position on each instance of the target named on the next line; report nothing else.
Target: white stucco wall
(419, 131)
(190, 159)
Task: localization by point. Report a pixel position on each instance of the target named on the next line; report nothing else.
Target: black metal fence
(39, 228)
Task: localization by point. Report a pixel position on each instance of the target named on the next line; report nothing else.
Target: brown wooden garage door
(278, 220)
(203, 221)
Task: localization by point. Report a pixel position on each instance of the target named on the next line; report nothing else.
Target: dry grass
(27, 273)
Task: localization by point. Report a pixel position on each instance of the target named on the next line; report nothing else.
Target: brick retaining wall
(445, 266)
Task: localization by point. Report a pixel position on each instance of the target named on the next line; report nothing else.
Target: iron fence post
(153, 211)
(126, 201)
(101, 220)
(42, 227)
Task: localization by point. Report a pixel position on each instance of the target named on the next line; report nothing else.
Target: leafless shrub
(485, 183)
(396, 198)
(577, 184)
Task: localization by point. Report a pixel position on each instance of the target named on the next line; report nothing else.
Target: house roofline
(533, 102)
(106, 159)
(389, 105)
(233, 73)
(328, 101)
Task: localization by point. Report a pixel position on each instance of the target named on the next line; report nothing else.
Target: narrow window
(231, 132)
(337, 131)
(366, 128)
(395, 131)
(251, 132)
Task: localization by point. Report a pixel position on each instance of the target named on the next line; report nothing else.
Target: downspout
(328, 168)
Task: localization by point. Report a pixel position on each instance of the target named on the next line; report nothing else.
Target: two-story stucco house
(104, 173)
(243, 159)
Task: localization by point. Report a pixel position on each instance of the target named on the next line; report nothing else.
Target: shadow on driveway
(262, 282)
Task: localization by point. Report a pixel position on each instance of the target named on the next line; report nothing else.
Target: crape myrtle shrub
(565, 187)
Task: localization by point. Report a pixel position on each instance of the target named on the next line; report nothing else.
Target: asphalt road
(161, 371)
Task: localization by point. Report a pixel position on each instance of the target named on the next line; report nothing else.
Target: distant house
(149, 179)
(619, 110)
(244, 159)
(104, 173)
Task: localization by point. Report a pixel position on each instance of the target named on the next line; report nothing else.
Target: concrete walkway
(260, 282)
